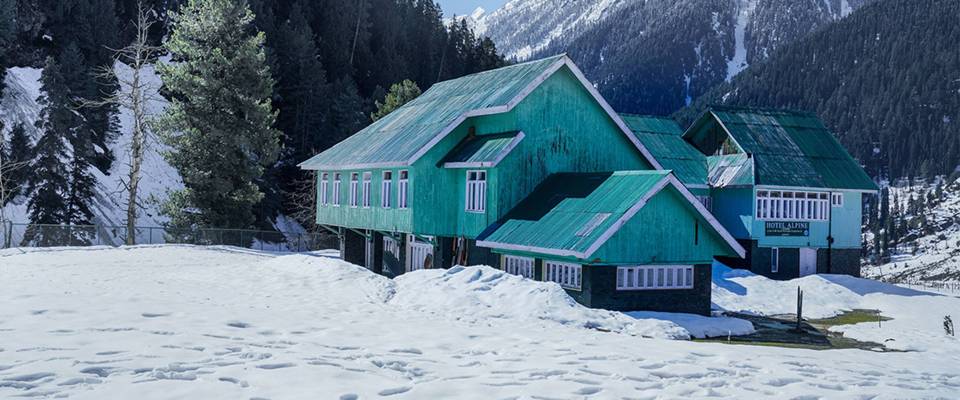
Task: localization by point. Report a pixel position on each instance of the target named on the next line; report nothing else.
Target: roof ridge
(752, 109)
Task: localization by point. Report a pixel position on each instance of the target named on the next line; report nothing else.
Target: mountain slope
(19, 106)
(885, 80)
(655, 56)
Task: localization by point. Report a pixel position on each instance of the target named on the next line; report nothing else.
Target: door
(419, 254)
(808, 261)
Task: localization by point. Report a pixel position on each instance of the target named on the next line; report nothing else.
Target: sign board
(787, 228)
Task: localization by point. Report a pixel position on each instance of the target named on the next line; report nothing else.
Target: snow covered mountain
(655, 56)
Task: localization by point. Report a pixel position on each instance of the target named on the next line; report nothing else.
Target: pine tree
(17, 154)
(302, 88)
(219, 124)
(49, 186)
(8, 30)
(400, 94)
(346, 117)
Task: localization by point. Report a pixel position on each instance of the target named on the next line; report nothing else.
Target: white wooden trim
(352, 166)
(489, 164)
(811, 189)
(679, 274)
(530, 249)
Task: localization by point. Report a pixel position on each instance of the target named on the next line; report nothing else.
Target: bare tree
(135, 94)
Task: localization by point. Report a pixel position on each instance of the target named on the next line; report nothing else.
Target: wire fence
(43, 235)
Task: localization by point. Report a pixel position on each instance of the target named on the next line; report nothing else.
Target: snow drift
(482, 294)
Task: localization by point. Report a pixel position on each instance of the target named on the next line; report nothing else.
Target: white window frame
(655, 277)
(324, 185)
(836, 199)
(354, 189)
(476, 191)
(336, 189)
(522, 266)
(774, 259)
(403, 187)
(367, 188)
(568, 275)
(386, 189)
(780, 205)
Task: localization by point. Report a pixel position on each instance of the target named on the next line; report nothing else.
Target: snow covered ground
(166, 322)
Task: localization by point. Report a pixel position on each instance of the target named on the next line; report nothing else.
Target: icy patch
(700, 326)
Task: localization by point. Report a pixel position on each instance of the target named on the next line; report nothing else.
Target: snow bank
(742, 291)
(917, 323)
(482, 294)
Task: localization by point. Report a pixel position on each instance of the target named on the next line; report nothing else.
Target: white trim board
(669, 179)
(562, 61)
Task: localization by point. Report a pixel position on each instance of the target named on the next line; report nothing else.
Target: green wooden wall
(667, 230)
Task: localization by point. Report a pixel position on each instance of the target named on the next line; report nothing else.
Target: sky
(464, 7)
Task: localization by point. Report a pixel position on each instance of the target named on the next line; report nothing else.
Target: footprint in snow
(393, 391)
(349, 396)
(238, 324)
(102, 372)
(276, 366)
(154, 315)
(588, 391)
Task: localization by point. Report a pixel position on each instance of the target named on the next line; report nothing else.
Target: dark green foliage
(17, 153)
(219, 124)
(8, 30)
(400, 94)
(54, 198)
(883, 79)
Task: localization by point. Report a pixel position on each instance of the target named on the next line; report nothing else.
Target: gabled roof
(403, 136)
(788, 148)
(574, 214)
(663, 137)
(480, 151)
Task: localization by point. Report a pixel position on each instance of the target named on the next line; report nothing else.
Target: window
(367, 178)
(386, 189)
(650, 277)
(402, 189)
(706, 201)
(774, 259)
(836, 199)
(476, 200)
(592, 224)
(566, 274)
(522, 266)
(791, 206)
(354, 189)
(336, 189)
(324, 196)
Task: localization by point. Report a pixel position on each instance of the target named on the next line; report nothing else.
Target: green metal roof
(730, 170)
(398, 137)
(789, 148)
(555, 215)
(481, 150)
(664, 139)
